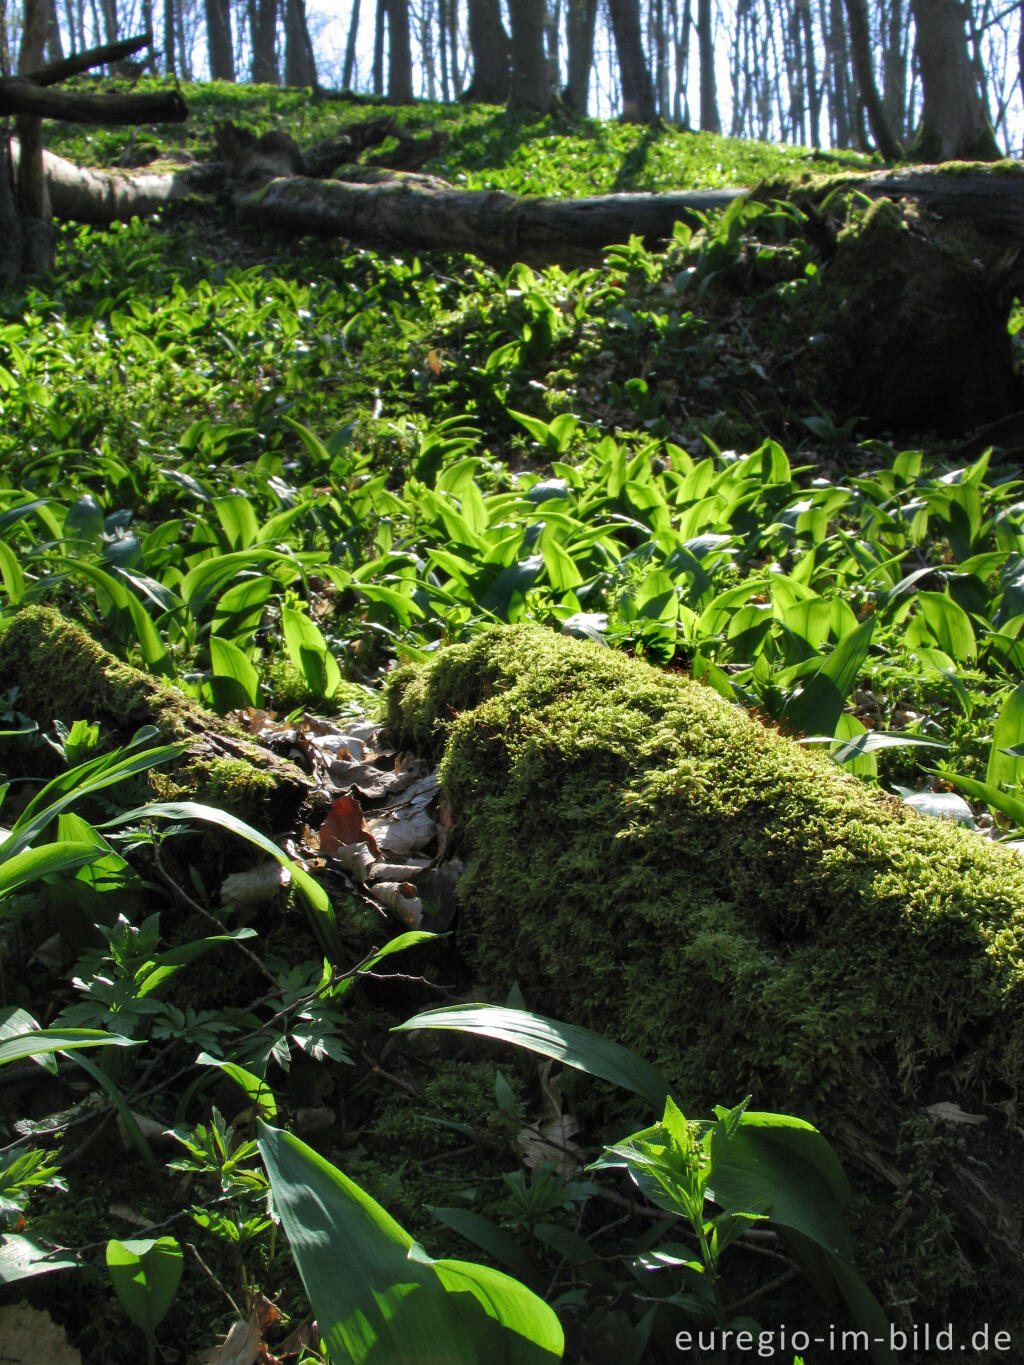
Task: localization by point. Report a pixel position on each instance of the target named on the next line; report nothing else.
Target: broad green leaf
(145, 1274)
(308, 651)
(21, 1259)
(868, 741)
(393, 1303)
(568, 1043)
(949, 624)
(1004, 766)
(983, 791)
(322, 914)
(32, 864)
(498, 1243)
(816, 709)
(231, 662)
(258, 1091)
(39, 1042)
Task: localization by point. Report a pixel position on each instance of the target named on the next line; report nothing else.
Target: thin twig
(213, 1277)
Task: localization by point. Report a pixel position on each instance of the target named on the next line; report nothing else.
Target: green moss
(702, 889)
(61, 673)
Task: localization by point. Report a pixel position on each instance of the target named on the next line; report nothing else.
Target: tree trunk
(350, 47)
(709, 120)
(860, 46)
(491, 53)
(399, 53)
(954, 124)
(218, 33)
(531, 88)
(379, 24)
(54, 45)
(634, 75)
(838, 65)
(263, 30)
(170, 63)
(299, 63)
(580, 21)
(33, 201)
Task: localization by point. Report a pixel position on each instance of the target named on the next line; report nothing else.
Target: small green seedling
(145, 1273)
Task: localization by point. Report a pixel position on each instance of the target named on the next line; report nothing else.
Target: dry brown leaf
(402, 831)
(357, 860)
(28, 1336)
(345, 825)
(241, 1346)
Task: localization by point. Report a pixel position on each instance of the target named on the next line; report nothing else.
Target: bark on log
(82, 195)
(494, 224)
(489, 223)
(85, 61)
(21, 95)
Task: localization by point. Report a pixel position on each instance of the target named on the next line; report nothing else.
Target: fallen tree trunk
(648, 860)
(82, 195)
(489, 223)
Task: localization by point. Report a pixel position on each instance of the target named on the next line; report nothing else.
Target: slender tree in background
(218, 34)
(170, 67)
(531, 85)
(709, 120)
(580, 22)
(634, 75)
(860, 50)
(399, 52)
(263, 38)
(350, 47)
(954, 123)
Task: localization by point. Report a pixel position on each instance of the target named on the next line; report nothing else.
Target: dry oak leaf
(345, 825)
(28, 1336)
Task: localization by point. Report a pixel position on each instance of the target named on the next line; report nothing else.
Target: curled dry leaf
(549, 1138)
(242, 1345)
(357, 860)
(401, 900)
(402, 831)
(256, 885)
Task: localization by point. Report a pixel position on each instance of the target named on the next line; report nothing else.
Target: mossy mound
(652, 862)
(61, 673)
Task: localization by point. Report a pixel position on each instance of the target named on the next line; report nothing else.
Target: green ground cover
(264, 472)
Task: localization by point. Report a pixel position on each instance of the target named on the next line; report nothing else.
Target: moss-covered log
(58, 672)
(647, 859)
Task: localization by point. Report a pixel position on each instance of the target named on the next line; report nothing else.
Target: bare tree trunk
(218, 34)
(399, 53)
(263, 29)
(580, 21)
(54, 46)
(378, 47)
(637, 89)
(531, 88)
(33, 200)
(10, 227)
(894, 71)
(170, 63)
(491, 53)
(709, 120)
(954, 124)
(453, 47)
(860, 47)
(350, 48)
(811, 74)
